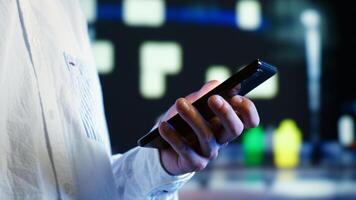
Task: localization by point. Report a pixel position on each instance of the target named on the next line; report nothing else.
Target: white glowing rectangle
(89, 9)
(166, 56)
(346, 130)
(218, 72)
(104, 56)
(267, 90)
(311, 19)
(157, 60)
(311, 188)
(248, 15)
(150, 13)
(152, 84)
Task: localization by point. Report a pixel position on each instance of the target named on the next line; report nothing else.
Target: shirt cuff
(139, 174)
(164, 182)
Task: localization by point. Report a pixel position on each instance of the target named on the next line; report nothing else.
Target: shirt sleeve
(139, 175)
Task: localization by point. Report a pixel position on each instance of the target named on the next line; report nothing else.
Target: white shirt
(54, 141)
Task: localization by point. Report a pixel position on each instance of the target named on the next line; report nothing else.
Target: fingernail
(184, 105)
(238, 99)
(218, 101)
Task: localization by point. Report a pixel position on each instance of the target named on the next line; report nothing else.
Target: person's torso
(53, 137)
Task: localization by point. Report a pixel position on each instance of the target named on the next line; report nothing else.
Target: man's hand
(232, 117)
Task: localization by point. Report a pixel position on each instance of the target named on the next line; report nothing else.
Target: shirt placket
(56, 144)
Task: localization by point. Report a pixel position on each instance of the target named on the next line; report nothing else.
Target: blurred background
(150, 52)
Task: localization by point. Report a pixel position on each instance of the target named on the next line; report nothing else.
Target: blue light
(208, 16)
(109, 12)
(191, 15)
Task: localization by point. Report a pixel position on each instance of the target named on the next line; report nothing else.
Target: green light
(253, 146)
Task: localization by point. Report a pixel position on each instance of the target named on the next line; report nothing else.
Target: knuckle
(225, 108)
(247, 101)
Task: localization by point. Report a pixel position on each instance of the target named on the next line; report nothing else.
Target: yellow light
(287, 141)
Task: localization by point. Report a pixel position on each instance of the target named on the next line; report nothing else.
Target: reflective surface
(229, 178)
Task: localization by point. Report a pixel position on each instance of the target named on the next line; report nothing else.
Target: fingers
(192, 160)
(246, 110)
(228, 118)
(208, 145)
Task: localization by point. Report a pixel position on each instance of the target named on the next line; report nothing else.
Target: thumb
(191, 98)
(205, 89)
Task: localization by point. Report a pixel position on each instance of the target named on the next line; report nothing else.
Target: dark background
(280, 42)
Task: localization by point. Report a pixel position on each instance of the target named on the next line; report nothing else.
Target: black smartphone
(242, 82)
